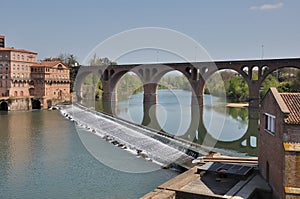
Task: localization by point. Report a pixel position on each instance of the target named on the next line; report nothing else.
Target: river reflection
(42, 156)
(232, 131)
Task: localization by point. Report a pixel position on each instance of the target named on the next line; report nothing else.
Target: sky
(227, 30)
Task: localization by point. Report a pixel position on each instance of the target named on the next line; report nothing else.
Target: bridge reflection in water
(202, 129)
(198, 132)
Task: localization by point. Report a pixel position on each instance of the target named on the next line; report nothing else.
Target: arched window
(16, 93)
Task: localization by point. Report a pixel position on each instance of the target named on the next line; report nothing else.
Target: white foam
(132, 139)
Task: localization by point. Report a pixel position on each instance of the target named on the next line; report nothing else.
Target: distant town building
(279, 143)
(50, 80)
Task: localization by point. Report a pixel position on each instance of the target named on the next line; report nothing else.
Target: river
(42, 156)
(228, 130)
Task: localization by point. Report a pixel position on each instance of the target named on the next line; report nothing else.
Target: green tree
(92, 83)
(68, 59)
(270, 81)
(296, 83)
(238, 89)
(98, 61)
(128, 85)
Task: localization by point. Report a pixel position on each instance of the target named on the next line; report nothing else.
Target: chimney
(2, 41)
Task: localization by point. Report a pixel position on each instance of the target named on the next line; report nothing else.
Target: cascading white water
(142, 141)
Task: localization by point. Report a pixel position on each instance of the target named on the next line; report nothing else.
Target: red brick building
(25, 80)
(50, 80)
(15, 71)
(279, 143)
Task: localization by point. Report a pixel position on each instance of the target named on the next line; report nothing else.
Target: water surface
(41, 156)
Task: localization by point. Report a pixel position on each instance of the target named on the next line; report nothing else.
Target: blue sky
(230, 29)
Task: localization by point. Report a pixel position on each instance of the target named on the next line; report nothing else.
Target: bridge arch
(83, 72)
(171, 85)
(3, 106)
(36, 104)
(269, 70)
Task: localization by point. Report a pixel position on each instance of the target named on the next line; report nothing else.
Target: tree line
(285, 80)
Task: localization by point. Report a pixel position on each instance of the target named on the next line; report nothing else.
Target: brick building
(22, 78)
(50, 80)
(279, 143)
(15, 71)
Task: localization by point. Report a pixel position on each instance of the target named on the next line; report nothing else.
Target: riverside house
(279, 143)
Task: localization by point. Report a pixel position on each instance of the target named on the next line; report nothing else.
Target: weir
(150, 144)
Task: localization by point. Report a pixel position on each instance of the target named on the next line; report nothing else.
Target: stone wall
(292, 172)
(20, 104)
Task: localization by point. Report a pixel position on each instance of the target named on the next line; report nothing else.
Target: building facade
(279, 143)
(24, 80)
(15, 72)
(50, 81)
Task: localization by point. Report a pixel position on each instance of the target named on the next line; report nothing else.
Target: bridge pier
(150, 93)
(108, 96)
(254, 98)
(197, 92)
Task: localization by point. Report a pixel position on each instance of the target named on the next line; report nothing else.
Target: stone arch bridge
(196, 73)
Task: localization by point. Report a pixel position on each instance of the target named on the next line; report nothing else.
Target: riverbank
(238, 105)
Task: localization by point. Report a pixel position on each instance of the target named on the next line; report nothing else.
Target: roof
(290, 146)
(223, 168)
(292, 101)
(282, 105)
(47, 64)
(289, 104)
(17, 50)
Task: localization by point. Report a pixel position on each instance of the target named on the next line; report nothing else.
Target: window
(270, 123)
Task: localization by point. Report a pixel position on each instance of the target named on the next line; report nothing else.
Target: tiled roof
(46, 64)
(292, 101)
(17, 50)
